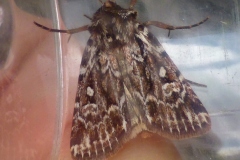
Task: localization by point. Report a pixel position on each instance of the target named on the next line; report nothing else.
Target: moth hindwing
(128, 84)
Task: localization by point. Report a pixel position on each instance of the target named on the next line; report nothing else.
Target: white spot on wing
(176, 122)
(101, 141)
(90, 91)
(184, 124)
(124, 124)
(116, 139)
(145, 31)
(77, 105)
(90, 105)
(87, 141)
(122, 100)
(189, 115)
(183, 93)
(108, 139)
(203, 117)
(198, 121)
(113, 108)
(83, 70)
(82, 120)
(75, 150)
(162, 72)
(149, 118)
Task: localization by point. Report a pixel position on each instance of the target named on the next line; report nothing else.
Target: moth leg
(169, 27)
(70, 31)
(196, 84)
(88, 17)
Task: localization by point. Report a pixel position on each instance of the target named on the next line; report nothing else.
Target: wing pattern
(128, 83)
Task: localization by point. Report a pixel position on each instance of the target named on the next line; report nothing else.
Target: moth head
(111, 8)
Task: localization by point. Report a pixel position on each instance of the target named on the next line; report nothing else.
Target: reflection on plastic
(1, 15)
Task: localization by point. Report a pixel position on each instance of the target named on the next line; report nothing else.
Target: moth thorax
(114, 22)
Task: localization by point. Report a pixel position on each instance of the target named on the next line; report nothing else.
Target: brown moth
(128, 84)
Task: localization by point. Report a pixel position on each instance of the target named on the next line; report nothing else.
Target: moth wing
(100, 120)
(170, 106)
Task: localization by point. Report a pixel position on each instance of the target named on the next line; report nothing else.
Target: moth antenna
(100, 1)
(50, 29)
(169, 27)
(132, 3)
(70, 31)
(88, 17)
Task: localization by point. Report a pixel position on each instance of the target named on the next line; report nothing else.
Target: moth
(128, 83)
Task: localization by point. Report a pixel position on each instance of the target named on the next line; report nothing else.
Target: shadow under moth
(127, 84)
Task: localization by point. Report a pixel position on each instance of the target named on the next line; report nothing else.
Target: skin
(28, 99)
